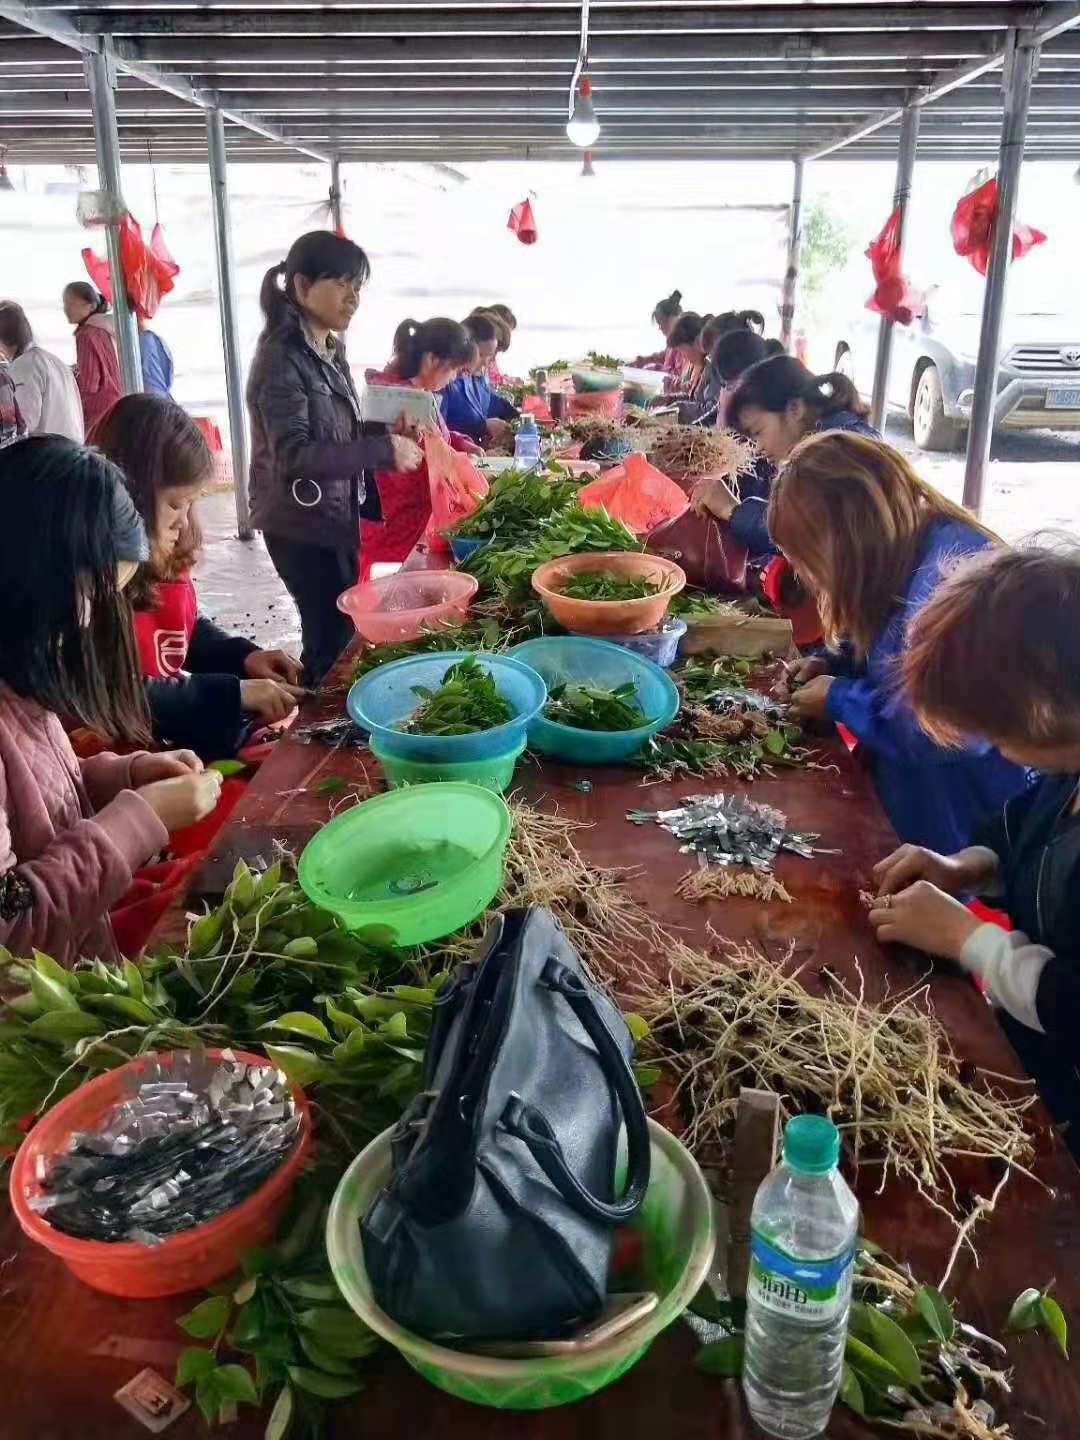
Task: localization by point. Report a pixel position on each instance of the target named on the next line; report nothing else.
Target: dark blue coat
(469, 402)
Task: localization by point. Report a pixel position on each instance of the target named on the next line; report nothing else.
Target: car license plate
(1063, 400)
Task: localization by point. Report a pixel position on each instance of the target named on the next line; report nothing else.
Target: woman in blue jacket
(469, 404)
(875, 542)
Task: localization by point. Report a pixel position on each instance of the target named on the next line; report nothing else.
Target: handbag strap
(529, 1125)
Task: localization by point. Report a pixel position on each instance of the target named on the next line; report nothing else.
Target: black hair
(739, 320)
(669, 309)
(503, 312)
(774, 347)
(445, 339)
(686, 329)
(773, 384)
(85, 291)
(15, 329)
(66, 522)
(735, 352)
(481, 327)
(318, 255)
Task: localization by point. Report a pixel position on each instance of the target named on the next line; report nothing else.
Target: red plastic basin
(189, 1261)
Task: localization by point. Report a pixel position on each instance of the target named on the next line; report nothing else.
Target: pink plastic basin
(401, 607)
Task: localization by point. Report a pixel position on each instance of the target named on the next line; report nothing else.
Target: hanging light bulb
(5, 178)
(587, 170)
(583, 128)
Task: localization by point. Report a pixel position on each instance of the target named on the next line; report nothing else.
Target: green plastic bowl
(414, 864)
(588, 381)
(495, 772)
(676, 1225)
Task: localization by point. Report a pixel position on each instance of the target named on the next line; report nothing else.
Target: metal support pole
(230, 335)
(336, 196)
(1020, 66)
(791, 275)
(99, 82)
(905, 165)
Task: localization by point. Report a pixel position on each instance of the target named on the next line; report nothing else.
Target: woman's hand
(145, 769)
(810, 701)
(274, 665)
(408, 457)
(925, 918)
(713, 496)
(269, 700)
(183, 800)
(914, 862)
(801, 673)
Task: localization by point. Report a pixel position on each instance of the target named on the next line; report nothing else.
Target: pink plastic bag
(457, 487)
(973, 228)
(894, 296)
(636, 493)
(522, 222)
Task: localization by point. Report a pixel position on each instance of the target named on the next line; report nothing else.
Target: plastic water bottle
(527, 444)
(803, 1228)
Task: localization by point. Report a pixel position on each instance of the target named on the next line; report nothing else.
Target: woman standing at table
(1022, 604)
(469, 404)
(664, 316)
(875, 542)
(97, 365)
(312, 459)
(427, 356)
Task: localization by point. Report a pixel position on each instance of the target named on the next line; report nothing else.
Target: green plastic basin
(414, 864)
(677, 1232)
(495, 771)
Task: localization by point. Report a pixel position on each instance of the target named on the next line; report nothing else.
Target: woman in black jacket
(312, 458)
(996, 654)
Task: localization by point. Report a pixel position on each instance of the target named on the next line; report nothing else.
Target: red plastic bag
(973, 228)
(523, 222)
(636, 493)
(894, 296)
(705, 548)
(457, 487)
(149, 270)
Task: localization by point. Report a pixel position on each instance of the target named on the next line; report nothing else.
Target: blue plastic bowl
(660, 646)
(381, 701)
(596, 662)
(463, 547)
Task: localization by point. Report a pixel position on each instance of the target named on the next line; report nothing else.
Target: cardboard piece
(757, 1133)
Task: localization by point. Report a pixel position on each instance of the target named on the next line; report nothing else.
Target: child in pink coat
(73, 833)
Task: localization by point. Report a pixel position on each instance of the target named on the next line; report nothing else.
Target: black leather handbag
(498, 1221)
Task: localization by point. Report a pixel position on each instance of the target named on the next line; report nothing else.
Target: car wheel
(934, 430)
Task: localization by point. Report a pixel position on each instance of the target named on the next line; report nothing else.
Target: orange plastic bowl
(189, 1261)
(609, 617)
(401, 607)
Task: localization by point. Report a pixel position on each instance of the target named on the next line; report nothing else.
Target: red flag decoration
(523, 222)
(973, 228)
(149, 270)
(894, 296)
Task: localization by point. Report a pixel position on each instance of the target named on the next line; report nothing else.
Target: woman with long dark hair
(469, 404)
(427, 356)
(97, 364)
(665, 313)
(780, 402)
(312, 458)
(45, 389)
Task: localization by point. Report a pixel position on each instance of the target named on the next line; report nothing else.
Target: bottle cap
(811, 1144)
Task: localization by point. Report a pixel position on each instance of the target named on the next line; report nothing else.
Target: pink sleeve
(79, 876)
(464, 443)
(106, 775)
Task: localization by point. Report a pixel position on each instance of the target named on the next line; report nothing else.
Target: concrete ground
(1034, 485)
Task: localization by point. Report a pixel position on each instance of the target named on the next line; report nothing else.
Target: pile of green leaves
(602, 361)
(592, 707)
(466, 702)
(909, 1361)
(702, 675)
(603, 585)
(518, 501)
(509, 571)
(692, 604)
(472, 635)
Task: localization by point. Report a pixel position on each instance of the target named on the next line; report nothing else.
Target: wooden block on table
(744, 636)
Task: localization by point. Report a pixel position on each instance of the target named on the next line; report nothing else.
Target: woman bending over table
(996, 654)
(875, 542)
(469, 404)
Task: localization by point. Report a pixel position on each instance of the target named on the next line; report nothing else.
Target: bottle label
(816, 1291)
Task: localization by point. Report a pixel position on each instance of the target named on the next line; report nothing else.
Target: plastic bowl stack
(560, 658)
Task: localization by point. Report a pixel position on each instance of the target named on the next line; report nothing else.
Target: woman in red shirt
(97, 366)
(427, 356)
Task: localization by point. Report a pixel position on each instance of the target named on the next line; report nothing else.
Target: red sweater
(97, 367)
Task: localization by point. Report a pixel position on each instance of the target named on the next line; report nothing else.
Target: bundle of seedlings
(472, 634)
(885, 1073)
(710, 883)
(508, 572)
(518, 501)
(686, 454)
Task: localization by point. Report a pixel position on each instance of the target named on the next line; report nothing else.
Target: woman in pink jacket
(97, 365)
(72, 833)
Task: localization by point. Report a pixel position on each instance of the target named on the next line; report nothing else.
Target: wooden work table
(67, 1349)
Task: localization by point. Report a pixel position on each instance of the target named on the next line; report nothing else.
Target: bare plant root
(716, 883)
